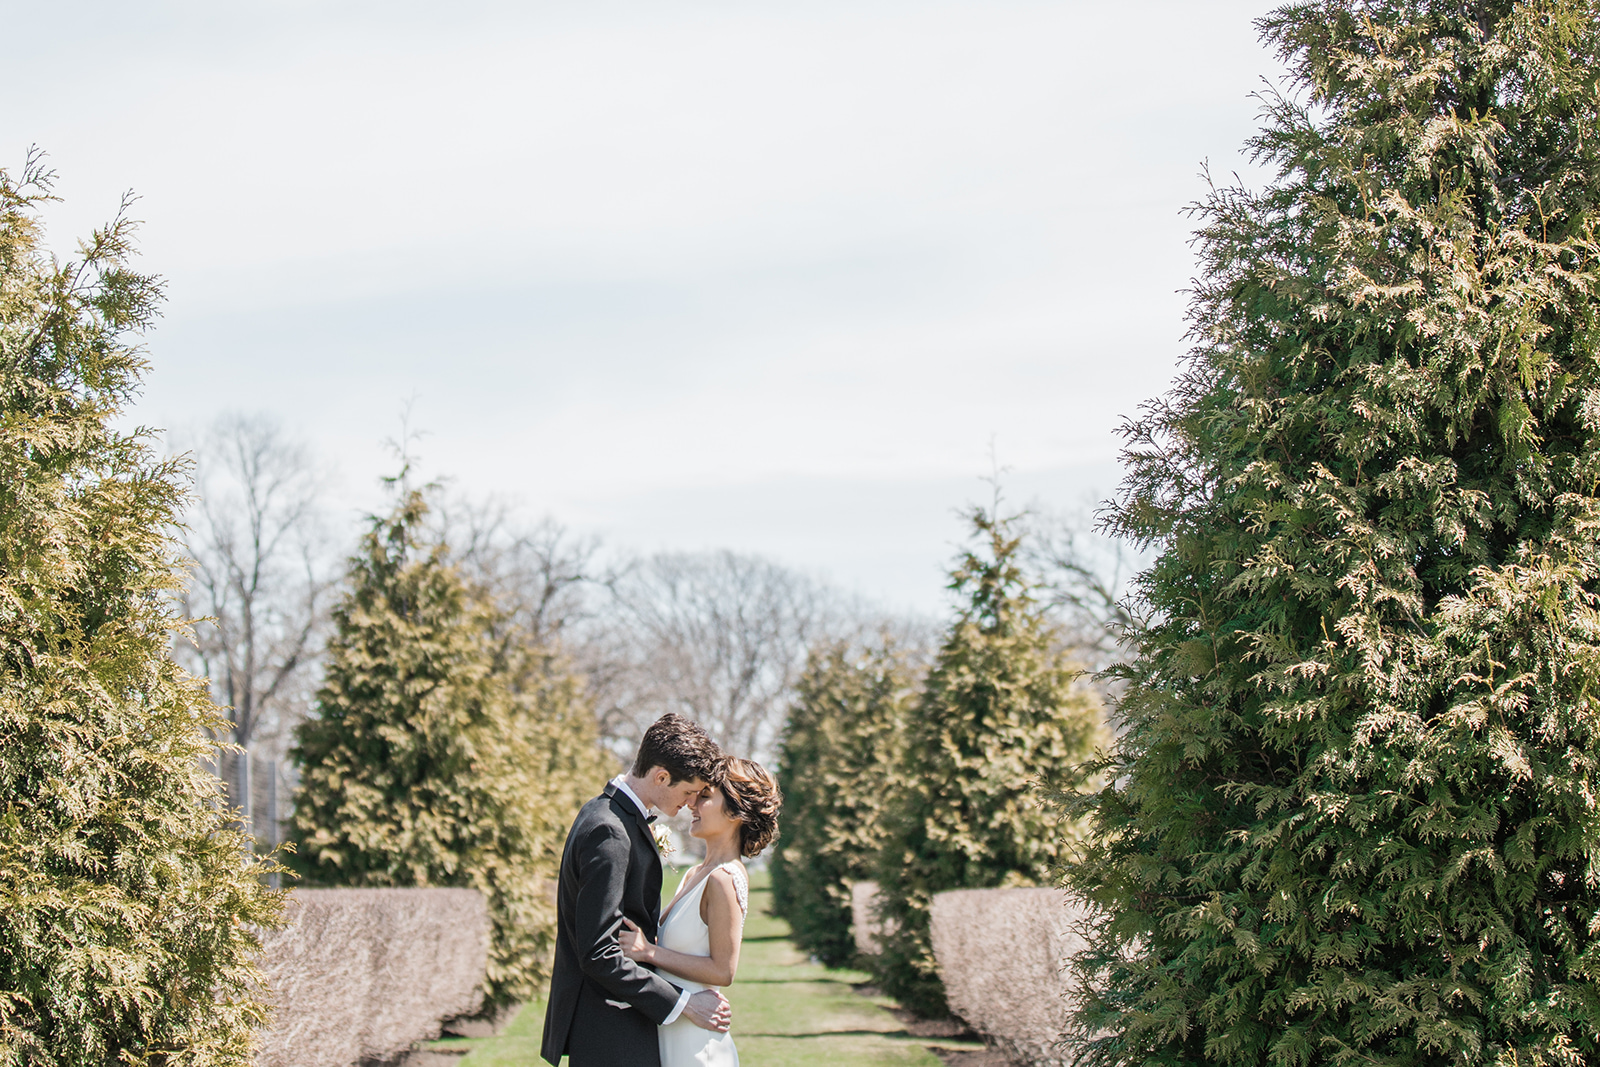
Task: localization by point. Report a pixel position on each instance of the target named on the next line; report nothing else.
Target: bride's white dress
(683, 1044)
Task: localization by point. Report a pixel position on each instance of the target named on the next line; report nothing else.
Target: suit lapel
(653, 884)
(645, 841)
(627, 810)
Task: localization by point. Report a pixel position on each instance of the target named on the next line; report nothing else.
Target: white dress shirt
(621, 782)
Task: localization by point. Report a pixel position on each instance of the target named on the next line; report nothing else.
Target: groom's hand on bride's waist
(709, 1010)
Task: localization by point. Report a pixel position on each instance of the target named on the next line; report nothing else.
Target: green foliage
(125, 890)
(839, 749)
(1000, 713)
(557, 721)
(1353, 818)
(442, 754)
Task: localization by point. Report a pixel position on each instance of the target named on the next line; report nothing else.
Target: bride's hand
(634, 945)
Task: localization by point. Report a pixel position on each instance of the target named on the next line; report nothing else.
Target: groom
(604, 1008)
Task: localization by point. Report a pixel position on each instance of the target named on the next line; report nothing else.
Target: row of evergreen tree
(931, 779)
(1353, 814)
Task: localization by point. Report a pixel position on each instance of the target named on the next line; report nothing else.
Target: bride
(736, 816)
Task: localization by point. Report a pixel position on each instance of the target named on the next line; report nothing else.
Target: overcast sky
(686, 274)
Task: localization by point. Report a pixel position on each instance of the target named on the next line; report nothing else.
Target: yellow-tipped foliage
(1355, 815)
(124, 890)
(440, 755)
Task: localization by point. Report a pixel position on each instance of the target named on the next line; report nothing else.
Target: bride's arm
(719, 907)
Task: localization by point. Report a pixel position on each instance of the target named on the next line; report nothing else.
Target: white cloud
(621, 247)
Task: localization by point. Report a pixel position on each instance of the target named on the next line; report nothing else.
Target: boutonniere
(663, 838)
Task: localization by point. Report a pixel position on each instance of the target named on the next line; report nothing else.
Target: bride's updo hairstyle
(751, 796)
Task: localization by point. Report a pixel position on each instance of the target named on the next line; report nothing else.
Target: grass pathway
(787, 1012)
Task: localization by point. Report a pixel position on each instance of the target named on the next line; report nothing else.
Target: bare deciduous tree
(541, 576)
(718, 636)
(1084, 580)
(259, 581)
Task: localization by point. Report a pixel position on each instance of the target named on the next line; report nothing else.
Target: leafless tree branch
(1084, 580)
(260, 579)
(718, 636)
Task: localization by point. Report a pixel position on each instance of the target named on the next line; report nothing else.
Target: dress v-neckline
(682, 894)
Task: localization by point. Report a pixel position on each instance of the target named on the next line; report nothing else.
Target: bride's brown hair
(751, 796)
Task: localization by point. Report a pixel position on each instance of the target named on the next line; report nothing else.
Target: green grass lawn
(787, 1011)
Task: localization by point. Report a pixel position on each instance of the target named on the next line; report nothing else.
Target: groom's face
(674, 795)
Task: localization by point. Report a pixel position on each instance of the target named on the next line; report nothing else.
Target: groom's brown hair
(678, 746)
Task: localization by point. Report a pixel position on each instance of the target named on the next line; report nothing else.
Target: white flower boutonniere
(663, 838)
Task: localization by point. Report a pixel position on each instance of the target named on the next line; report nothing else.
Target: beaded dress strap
(741, 885)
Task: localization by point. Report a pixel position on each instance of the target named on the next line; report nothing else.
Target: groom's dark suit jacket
(604, 1008)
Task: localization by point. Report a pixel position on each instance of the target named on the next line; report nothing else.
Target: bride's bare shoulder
(734, 883)
(730, 883)
(724, 877)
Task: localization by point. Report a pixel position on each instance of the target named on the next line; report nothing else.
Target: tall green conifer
(837, 763)
(434, 757)
(1353, 819)
(999, 714)
(556, 719)
(124, 891)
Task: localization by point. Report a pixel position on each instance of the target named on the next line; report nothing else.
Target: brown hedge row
(1001, 956)
(864, 924)
(366, 973)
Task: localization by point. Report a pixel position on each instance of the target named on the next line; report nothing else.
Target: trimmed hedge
(864, 925)
(366, 973)
(1002, 957)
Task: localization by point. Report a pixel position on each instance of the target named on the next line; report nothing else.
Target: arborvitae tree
(557, 717)
(556, 729)
(1353, 819)
(839, 751)
(423, 766)
(560, 724)
(126, 892)
(1000, 713)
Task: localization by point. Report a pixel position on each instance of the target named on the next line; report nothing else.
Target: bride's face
(711, 820)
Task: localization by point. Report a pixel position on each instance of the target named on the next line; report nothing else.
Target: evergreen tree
(559, 721)
(434, 752)
(1353, 818)
(839, 753)
(555, 712)
(999, 715)
(557, 738)
(126, 891)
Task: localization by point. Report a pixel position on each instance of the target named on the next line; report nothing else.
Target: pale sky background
(685, 274)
